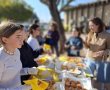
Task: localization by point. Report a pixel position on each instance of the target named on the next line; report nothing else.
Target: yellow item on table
(44, 73)
(37, 84)
(47, 74)
(63, 58)
(55, 77)
(46, 47)
(42, 59)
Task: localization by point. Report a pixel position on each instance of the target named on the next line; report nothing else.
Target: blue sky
(42, 10)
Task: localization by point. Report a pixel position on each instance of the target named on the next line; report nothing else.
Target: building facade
(78, 16)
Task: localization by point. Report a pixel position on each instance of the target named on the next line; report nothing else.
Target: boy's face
(15, 40)
(75, 33)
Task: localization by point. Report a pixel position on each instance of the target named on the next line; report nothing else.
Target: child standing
(74, 44)
(10, 64)
(52, 38)
(32, 40)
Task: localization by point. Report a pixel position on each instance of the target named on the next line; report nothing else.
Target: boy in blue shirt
(74, 44)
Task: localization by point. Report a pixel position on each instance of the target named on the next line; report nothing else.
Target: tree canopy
(16, 10)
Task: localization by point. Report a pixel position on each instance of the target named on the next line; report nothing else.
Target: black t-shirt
(27, 56)
(27, 59)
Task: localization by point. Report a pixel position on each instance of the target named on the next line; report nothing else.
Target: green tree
(55, 8)
(16, 10)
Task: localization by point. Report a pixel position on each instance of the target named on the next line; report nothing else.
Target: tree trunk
(56, 17)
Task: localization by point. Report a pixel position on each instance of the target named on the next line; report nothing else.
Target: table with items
(62, 73)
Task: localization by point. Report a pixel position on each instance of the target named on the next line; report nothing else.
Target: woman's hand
(67, 46)
(73, 47)
(99, 53)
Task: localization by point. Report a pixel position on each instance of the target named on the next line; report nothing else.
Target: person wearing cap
(74, 44)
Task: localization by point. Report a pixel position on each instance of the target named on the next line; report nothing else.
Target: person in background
(27, 54)
(74, 44)
(36, 21)
(32, 41)
(107, 28)
(41, 40)
(39, 37)
(52, 37)
(10, 64)
(98, 43)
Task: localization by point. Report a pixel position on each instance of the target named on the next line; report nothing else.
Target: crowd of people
(20, 49)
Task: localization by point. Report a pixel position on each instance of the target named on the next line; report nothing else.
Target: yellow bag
(55, 77)
(46, 47)
(37, 84)
(63, 58)
(47, 73)
(42, 59)
(44, 73)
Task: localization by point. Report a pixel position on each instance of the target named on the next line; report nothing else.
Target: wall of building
(79, 15)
